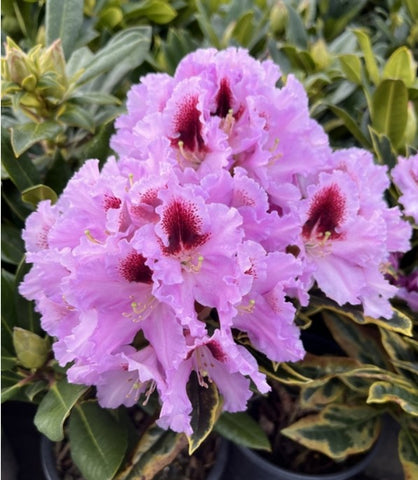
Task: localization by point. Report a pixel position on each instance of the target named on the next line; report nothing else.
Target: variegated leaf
(401, 349)
(337, 431)
(408, 452)
(357, 341)
(156, 449)
(405, 396)
(206, 408)
(315, 396)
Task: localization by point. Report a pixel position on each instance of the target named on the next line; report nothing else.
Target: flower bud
(53, 60)
(17, 63)
(29, 83)
(31, 349)
(320, 55)
(278, 17)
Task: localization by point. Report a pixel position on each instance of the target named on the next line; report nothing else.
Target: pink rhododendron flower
(224, 207)
(349, 232)
(405, 176)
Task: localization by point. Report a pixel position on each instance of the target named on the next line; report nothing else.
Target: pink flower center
(216, 350)
(223, 99)
(133, 269)
(188, 126)
(182, 226)
(325, 214)
(110, 201)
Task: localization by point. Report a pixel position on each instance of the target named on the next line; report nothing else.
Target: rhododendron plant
(194, 248)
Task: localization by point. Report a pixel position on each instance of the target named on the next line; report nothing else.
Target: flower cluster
(225, 206)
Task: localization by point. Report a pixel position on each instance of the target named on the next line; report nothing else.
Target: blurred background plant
(66, 67)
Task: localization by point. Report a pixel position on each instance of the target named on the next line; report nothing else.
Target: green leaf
(64, 20)
(26, 317)
(8, 310)
(352, 68)
(383, 148)
(351, 125)
(21, 171)
(369, 57)
(34, 389)
(295, 31)
(243, 29)
(242, 429)
(408, 452)
(8, 361)
(37, 193)
(55, 408)
(390, 109)
(98, 442)
(94, 98)
(339, 15)
(77, 116)
(12, 248)
(11, 385)
(158, 11)
(31, 349)
(401, 66)
(337, 431)
(27, 134)
(405, 397)
(130, 44)
(206, 406)
(412, 6)
(299, 59)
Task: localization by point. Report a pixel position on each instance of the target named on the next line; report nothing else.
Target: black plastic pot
(245, 464)
(51, 472)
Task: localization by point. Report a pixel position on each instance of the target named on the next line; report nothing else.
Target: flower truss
(225, 206)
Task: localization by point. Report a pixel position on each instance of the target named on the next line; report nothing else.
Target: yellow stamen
(90, 237)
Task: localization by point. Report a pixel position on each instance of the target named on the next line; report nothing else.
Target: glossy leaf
(26, 317)
(12, 248)
(314, 395)
(31, 349)
(206, 405)
(405, 397)
(21, 171)
(11, 385)
(337, 431)
(98, 442)
(399, 347)
(369, 56)
(352, 68)
(401, 66)
(63, 21)
(357, 342)
(408, 452)
(55, 408)
(37, 193)
(158, 11)
(242, 429)
(295, 31)
(351, 124)
(383, 148)
(8, 310)
(25, 135)
(390, 109)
